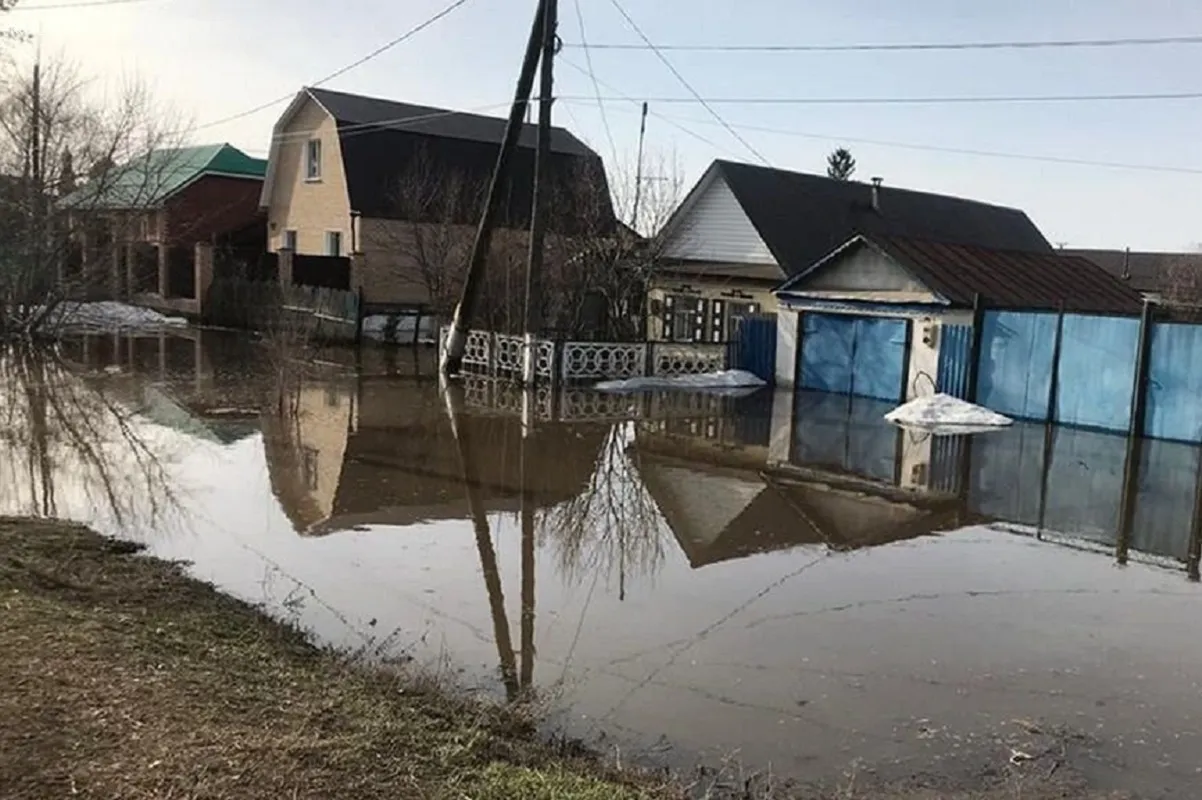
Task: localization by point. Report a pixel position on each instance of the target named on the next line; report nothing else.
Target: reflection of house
(743, 229)
(149, 227)
(722, 505)
(389, 457)
(394, 186)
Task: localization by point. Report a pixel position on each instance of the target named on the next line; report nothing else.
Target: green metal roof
(148, 181)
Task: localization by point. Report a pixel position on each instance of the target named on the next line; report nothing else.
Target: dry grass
(121, 677)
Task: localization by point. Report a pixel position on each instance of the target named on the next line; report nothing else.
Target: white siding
(716, 229)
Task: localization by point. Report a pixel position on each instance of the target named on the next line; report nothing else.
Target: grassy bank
(121, 677)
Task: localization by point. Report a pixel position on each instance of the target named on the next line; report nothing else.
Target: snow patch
(942, 413)
(726, 379)
(109, 315)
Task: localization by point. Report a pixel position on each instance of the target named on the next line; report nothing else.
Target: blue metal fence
(1175, 383)
(1096, 372)
(955, 350)
(754, 347)
(1016, 363)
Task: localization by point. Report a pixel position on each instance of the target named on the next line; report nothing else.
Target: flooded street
(770, 583)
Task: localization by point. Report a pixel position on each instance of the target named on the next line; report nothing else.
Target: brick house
(147, 231)
(395, 190)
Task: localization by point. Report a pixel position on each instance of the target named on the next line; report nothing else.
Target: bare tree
(1183, 283)
(55, 126)
(604, 264)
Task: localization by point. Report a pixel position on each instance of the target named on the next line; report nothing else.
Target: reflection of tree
(614, 524)
(67, 440)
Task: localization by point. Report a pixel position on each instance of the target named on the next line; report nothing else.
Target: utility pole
(638, 171)
(470, 296)
(542, 187)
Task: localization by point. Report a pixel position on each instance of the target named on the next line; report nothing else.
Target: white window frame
(333, 243)
(290, 240)
(313, 160)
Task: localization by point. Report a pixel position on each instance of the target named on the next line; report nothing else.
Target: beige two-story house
(398, 189)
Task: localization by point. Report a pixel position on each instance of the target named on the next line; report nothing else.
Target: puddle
(786, 582)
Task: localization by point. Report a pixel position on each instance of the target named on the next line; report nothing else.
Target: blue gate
(754, 346)
(955, 351)
(846, 354)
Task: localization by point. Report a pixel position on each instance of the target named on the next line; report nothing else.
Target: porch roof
(1003, 278)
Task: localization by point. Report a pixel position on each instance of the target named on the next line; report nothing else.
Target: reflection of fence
(575, 362)
(504, 397)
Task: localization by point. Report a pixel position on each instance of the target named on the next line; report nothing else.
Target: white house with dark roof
(744, 229)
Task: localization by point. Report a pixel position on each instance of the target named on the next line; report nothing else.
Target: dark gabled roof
(1003, 278)
(386, 145)
(353, 109)
(1143, 271)
(801, 217)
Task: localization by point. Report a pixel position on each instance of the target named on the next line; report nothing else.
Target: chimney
(1127, 264)
(876, 194)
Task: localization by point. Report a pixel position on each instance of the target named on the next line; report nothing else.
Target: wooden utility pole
(457, 340)
(542, 191)
(638, 171)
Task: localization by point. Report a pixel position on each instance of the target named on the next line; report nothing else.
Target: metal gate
(847, 354)
(754, 346)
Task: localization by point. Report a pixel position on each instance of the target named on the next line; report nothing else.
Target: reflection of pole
(527, 677)
(488, 556)
(457, 338)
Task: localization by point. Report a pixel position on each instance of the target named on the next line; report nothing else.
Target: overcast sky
(215, 58)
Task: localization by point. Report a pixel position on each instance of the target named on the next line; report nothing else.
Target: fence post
(1135, 432)
(358, 295)
(1194, 555)
(1139, 400)
(974, 353)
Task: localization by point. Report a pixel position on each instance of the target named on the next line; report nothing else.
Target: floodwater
(770, 583)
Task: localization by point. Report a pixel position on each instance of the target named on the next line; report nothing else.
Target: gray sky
(215, 58)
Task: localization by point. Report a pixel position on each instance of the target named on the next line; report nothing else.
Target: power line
(952, 150)
(81, 4)
(656, 114)
(1158, 41)
(686, 84)
(341, 71)
(932, 100)
(588, 59)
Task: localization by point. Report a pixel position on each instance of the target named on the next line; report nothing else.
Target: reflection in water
(783, 575)
(75, 442)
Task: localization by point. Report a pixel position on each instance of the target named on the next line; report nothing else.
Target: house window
(290, 240)
(313, 160)
(736, 312)
(333, 243)
(684, 318)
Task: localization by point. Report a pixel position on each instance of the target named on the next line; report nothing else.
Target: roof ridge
(422, 106)
(886, 186)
